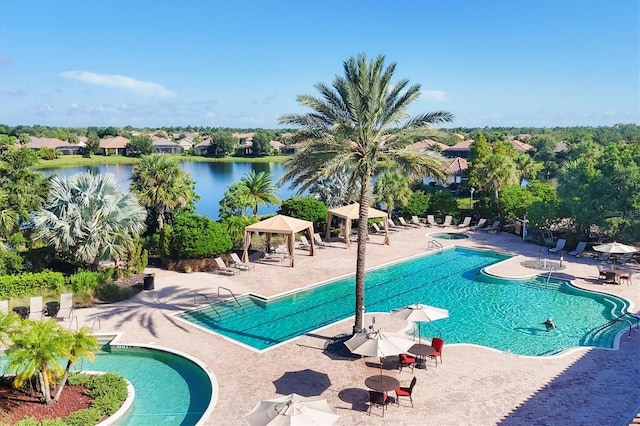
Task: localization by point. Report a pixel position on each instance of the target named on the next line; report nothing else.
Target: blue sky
(240, 63)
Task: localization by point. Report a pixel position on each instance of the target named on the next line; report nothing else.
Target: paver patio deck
(474, 385)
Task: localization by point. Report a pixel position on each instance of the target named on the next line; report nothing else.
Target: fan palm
(336, 190)
(350, 125)
(262, 190)
(86, 216)
(161, 185)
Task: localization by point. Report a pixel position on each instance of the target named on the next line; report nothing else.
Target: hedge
(30, 283)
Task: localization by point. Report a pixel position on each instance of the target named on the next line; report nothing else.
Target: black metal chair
(378, 399)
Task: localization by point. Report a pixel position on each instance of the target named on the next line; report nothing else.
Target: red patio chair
(405, 360)
(437, 344)
(402, 391)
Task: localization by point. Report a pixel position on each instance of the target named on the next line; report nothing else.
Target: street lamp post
(471, 198)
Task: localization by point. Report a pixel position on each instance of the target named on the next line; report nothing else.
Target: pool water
(498, 313)
(170, 389)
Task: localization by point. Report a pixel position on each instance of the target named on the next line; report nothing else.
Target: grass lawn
(79, 160)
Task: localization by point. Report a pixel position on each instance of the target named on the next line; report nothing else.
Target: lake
(212, 180)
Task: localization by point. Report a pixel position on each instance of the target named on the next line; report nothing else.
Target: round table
(422, 351)
(382, 383)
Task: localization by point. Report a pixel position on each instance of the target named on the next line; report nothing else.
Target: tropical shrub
(47, 153)
(30, 283)
(442, 203)
(234, 226)
(306, 208)
(10, 263)
(195, 237)
(418, 204)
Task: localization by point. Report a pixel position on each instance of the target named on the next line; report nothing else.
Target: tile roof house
(117, 145)
(521, 146)
(63, 147)
(165, 146)
(429, 145)
(461, 149)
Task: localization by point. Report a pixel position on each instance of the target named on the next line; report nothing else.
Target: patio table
(611, 276)
(422, 351)
(382, 383)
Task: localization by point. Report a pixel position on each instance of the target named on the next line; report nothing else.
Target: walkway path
(474, 385)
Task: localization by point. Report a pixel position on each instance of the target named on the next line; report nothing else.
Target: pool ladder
(213, 305)
(621, 318)
(435, 245)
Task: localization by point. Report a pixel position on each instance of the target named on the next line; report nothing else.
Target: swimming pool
(498, 313)
(170, 389)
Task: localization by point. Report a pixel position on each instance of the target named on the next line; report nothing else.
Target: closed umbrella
(292, 409)
(378, 344)
(420, 313)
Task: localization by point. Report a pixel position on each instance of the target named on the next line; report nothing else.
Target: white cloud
(118, 82)
(436, 95)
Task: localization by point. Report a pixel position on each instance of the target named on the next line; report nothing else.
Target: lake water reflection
(212, 180)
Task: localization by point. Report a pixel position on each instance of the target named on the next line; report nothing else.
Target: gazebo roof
(352, 211)
(280, 224)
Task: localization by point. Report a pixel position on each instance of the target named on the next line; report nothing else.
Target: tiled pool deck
(473, 386)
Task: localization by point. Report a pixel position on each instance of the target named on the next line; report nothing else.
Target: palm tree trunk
(363, 217)
(63, 381)
(44, 384)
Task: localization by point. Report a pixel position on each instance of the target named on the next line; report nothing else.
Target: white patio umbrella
(420, 313)
(615, 248)
(292, 409)
(378, 344)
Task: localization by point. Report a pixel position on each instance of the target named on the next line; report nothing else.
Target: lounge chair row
(37, 310)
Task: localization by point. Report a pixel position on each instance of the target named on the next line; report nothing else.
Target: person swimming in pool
(549, 324)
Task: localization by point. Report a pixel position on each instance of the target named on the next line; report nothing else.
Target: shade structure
(292, 409)
(420, 313)
(352, 212)
(615, 248)
(378, 344)
(280, 224)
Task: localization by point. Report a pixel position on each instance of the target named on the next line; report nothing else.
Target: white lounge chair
(579, 249)
(495, 227)
(393, 227)
(66, 306)
(447, 221)
(481, 223)
(223, 268)
(431, 220)
(465, 223)
(377, 229)
(36, 308)
(304, 243)
(559, 246)
(236, 262)
(416, 221)
(4, 306)
(318, 240)
(406, 224)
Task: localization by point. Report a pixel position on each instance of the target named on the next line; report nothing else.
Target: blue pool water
(170, 389)
(487, 311)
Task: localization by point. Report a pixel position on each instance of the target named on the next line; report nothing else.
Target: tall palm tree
(392, 189)
(262, 190)
(161, 185)
(349, 125)
(89, 218)
(498, 170)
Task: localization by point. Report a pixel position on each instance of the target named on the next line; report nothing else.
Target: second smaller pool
(448, 236)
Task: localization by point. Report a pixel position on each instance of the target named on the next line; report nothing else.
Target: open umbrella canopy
(378, 344)
(614, 247)
(420, 312)
(292, 409)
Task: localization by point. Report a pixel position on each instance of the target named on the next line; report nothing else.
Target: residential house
(64, 147)
(461, 149)
(116, 145)
(456, 169)
(165, 146)
(429, 145)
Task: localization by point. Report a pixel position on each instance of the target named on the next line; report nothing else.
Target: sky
(242, 64)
